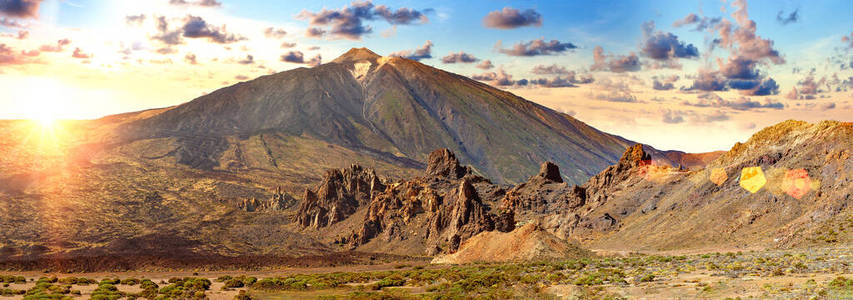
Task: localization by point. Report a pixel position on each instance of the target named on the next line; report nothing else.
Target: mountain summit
(394, 109)
(357, 54)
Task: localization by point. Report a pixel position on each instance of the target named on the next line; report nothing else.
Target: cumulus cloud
(618, 64)
(196, 27)
(59, 47)
(789, 18)
(315, 32)
(742, 103)
(191, 59)
(485, 65)
(549, 70)
(247, 61)
(315, 61)
(402, 16)
(166, 50)
(203, 3)
(536, 48)
(807, 88)
(664, 46)
(193, 27)
(20, 8)
(274, 33)
(348, 22)
(297, 57)
(422, 52)
(617, 91)
(499, 78)
(747, 50)
(672, 116)
(293, 57)
(78, 53)
(135, 19)
(564, 77)
(617, 96)
(8, 56)
(664, 83)
(503, 79)
(286, 45)
(11, 23)
(555, 82)
(701, 23)
(509, 18)
(459, 57)
(708, 80)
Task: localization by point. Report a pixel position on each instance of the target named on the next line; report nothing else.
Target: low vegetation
(822, 274)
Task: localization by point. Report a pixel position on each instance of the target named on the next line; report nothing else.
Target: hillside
(635, 205)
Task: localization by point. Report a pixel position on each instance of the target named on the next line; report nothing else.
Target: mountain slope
(635, 205)
(393, 108)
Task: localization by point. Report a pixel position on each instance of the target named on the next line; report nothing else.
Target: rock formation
(436, 211)
(339, 195)
(279, 201)
(543, 193)
(443, 164)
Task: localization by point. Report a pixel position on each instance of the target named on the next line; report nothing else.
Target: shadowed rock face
(443, 163)
(550, 171)
(339, 195)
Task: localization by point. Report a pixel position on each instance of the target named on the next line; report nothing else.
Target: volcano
(393, 109)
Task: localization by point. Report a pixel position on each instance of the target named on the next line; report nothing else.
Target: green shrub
(233, 283)
(647, 278)
(242, 295)
(395, 280)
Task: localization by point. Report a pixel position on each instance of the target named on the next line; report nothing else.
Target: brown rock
(443, 163)
(279, 201)
(433, 213)
(340, 193)
(550, 171)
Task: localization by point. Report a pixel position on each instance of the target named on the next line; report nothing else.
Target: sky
(692, 76)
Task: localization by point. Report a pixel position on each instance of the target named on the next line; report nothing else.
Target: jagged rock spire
(550, 171)
(443, 163)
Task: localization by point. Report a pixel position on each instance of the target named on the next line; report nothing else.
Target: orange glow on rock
(719, 176)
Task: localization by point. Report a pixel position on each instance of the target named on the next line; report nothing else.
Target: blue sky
(106, 57)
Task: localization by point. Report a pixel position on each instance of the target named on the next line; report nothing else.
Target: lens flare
(719, 176)
(796, 183)
(752, 179)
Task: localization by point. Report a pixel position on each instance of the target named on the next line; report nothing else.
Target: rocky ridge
(436, 211)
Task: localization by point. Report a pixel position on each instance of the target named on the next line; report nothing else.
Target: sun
(46, 120)
(46, 101)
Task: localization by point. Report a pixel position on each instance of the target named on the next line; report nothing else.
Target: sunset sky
(693, 76)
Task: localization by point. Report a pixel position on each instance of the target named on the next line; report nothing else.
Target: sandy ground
(704, 286)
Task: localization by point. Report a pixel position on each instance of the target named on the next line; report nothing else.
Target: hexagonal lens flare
(796, 183)
(719, 176)
(752, 179)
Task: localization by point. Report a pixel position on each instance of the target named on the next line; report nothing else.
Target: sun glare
(47, 101)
